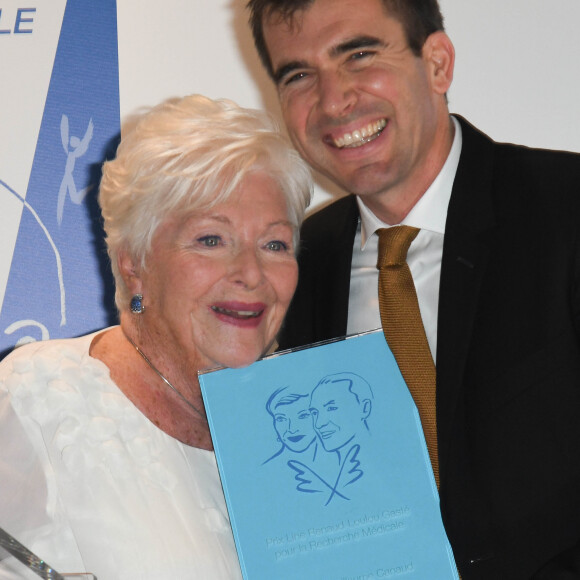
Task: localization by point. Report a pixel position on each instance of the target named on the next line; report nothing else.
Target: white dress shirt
(424, 257)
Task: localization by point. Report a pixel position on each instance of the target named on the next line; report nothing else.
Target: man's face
(359, 105)
(336, 413)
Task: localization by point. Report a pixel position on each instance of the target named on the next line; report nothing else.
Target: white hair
(189, 154)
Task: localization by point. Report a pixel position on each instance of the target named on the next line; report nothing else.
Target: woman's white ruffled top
(88, 483)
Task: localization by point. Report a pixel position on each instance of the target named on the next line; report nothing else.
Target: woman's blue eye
(277, 246)
(209, 241)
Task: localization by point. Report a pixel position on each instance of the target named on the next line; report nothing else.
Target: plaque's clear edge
(299, 348)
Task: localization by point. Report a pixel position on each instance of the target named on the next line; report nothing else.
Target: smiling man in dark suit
(495, 265)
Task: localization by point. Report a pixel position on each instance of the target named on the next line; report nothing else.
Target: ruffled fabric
(119, 496)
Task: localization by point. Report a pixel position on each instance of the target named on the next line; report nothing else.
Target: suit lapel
(331, 312)
(465, 254)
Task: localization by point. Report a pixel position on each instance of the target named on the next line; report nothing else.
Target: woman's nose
(247, 269)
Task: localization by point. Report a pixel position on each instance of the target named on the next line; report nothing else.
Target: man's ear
(439, 55)
(130, 272)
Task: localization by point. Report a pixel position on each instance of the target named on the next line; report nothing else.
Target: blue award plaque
(324, 466)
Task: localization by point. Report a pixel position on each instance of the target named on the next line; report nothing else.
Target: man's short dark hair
(419, 18)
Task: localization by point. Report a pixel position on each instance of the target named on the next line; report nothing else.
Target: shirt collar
(430, 212)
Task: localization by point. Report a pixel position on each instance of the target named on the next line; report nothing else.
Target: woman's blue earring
(137, 304)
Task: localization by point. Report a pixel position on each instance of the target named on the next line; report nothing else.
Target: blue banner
(59, 283)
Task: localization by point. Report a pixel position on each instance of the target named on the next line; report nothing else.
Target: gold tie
(404, 329)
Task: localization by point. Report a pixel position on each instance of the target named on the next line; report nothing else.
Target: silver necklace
(164, 379)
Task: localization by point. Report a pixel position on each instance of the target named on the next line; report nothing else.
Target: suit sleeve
(319, 309)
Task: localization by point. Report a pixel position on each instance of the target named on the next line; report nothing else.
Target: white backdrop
(516, 74)
(516, 78)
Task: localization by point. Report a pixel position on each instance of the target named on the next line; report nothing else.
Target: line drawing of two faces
(320, 432)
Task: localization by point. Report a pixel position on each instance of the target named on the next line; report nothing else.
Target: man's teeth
(361, 136)
(237, 313)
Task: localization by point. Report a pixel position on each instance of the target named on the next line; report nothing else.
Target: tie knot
(393, 245)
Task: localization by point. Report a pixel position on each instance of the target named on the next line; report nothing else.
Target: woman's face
(293, 423)
(218, 283)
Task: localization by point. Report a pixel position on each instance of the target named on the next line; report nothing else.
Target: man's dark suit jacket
(508, 354)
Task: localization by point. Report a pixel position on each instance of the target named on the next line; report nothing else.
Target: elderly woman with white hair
(106, 461)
